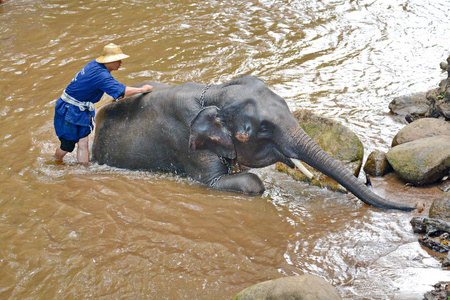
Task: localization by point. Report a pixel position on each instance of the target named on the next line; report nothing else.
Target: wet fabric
(69, 131)
(88, 85)
(67, 145)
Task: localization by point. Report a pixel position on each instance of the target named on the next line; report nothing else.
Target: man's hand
(146, 88)
(130, 91)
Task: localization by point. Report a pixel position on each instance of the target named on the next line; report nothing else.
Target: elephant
(203, 131)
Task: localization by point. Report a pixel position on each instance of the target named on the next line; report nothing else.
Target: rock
(337, 140)
(440, 208)
(445, 185)
(439, 292)
(302, 287)
(439, 101)
(377, 164)
(421, 128)
(421, 161)
(434, 234)
(446, 261)
(411, 118)
(444, 108)
(429, 225)
(437, 243)
(413, 104)
(433, 104)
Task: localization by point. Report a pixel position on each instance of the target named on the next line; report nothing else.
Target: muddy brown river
(96, 232)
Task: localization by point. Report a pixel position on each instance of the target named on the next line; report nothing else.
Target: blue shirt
(88, 86)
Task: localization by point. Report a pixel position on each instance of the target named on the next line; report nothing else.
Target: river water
(96, 232)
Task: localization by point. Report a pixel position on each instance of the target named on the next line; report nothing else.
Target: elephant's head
(246, 121)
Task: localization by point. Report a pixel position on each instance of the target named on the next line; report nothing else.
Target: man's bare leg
(83, 150)
(59, 154)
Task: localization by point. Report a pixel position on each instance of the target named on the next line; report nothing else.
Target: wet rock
(421, 128)
(302, 287)
(443, 107)
(446, 261)
(429, 225)
(437, 244)
(439, 101)
(445, 184)
(439, 98)
(440, 208)
(377, 164)
(448, 69)
(436, 233)
(413, 104)
(421, 161)
(336, 139)
(439, 292)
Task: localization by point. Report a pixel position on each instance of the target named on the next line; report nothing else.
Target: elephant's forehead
(258, 102)
(261, 109)
(271, 110)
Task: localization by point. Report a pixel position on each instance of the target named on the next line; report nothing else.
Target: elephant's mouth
(264, 158)
(275, 156)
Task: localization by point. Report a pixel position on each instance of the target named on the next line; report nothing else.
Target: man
(74, 110)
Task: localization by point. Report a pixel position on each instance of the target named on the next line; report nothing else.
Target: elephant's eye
(264, 128)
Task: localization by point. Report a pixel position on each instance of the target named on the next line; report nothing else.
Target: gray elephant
(203, 131)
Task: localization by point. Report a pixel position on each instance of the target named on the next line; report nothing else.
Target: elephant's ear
(208, 133)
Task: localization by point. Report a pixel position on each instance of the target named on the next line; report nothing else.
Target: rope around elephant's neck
(223, 160)
(202, 96)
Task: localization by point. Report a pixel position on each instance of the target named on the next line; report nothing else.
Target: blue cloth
(88, 85)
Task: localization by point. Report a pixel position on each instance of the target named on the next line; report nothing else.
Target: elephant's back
(149, 131)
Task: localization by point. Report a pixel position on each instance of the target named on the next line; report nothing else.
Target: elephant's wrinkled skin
(242, 121)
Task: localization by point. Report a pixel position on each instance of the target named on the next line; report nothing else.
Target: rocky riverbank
(419, 156)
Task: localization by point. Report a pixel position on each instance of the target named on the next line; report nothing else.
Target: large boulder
(421, 128)
(337, 140)
(421, 161)
(302, 287)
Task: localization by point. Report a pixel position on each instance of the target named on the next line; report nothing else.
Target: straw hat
(111, 52)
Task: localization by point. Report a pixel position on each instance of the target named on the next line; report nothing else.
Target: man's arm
(130, 91)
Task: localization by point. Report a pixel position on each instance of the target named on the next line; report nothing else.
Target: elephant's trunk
(305, 149)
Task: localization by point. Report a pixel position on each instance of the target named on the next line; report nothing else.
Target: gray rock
(302, 287)
(439, 101)
(421, 161)
(413, 104)
(377, 164)
(440, 208)
(433, 104)
(444, 108)
(446, 261)
(445, 185)
(421, 128)
(429, 225)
